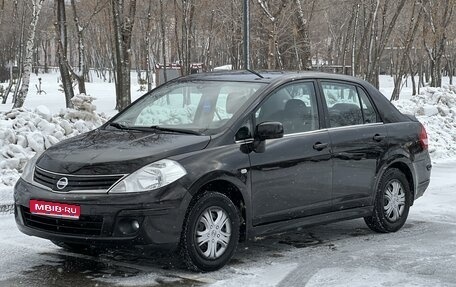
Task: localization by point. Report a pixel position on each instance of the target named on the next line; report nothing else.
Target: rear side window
(347, 105)
(370, 116)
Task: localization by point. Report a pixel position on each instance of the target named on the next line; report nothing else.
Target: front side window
(294, 105)
(195, 105)
(347, 105)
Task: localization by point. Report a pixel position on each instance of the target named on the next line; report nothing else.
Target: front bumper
(160, 215)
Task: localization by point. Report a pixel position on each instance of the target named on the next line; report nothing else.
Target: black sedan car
(207, 160)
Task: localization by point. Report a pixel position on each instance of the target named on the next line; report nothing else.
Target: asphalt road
(423, 253)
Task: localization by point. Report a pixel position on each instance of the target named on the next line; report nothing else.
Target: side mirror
(269, 130)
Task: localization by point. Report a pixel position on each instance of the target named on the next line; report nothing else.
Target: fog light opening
(128, 226)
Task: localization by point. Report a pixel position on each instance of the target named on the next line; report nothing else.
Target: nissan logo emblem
(62, 183)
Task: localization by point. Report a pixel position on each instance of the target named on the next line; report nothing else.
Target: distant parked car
(207, 160)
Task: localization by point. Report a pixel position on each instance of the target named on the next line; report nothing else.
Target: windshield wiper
(125, 127)
(177, 130)
(117, 125)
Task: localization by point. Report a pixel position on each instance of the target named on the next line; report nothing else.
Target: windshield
(194, 106)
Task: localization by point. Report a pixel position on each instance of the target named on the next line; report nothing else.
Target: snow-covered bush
(24, 132)
(84, 110)
(436, 109)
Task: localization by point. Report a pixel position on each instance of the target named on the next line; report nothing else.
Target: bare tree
(379, 37)
(304, 32)
(162, 30)
(149, 63)
(437, 19)
(36, 9)
(62, 51)
(123, 22)
(272, 16)
(415, 20)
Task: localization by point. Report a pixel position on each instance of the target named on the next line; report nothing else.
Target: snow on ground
(421, 254)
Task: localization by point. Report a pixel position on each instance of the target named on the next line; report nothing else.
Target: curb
(7, 208)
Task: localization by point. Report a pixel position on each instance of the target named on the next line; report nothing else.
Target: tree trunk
(123, 26)
(149, 73)
(45, 47)
(62, 47)
(36, 9)
(163, 49)
(10, 85)
(353, 59)
(79, 74)
(303, 30)
(271, 46)
(412, 75)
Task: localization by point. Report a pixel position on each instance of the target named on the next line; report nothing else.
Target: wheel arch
(403, 164)
(231, 186)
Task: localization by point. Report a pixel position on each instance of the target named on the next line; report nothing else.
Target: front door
(293, 177)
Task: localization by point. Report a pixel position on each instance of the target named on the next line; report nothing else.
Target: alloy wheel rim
(213, 232)
(394, 201)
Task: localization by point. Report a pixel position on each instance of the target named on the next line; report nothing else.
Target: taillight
(423, 138)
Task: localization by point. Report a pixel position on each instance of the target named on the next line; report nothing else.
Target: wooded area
(364, 38)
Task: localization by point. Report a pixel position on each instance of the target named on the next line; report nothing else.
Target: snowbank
(25, 132)
(436, 109)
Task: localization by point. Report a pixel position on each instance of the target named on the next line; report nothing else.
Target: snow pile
(84, 109)
(436, 109)
(24, 132)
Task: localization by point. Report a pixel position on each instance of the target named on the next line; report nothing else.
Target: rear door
(293, 177)
(359, 142)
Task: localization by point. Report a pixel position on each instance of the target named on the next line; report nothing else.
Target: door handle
(378, 138)
(320, 146)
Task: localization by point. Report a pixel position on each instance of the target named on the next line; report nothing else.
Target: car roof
(268, 76)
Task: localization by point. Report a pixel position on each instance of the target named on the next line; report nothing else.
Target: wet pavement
(423, 253)
(347, 244)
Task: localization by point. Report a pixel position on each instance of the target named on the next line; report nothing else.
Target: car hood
(116, 152)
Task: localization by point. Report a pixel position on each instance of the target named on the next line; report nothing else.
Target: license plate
(55, 209)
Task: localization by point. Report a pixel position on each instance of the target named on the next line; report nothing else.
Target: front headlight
(29, 168)
(150, 177)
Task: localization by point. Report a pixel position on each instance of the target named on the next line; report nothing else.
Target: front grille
(85, 225)
(80, 182)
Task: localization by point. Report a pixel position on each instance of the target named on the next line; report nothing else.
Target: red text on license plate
(55, 209)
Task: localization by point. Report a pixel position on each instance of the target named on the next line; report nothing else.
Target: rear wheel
(211, 232)
(392, 203)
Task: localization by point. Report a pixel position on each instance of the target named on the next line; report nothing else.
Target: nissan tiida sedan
(205, 161)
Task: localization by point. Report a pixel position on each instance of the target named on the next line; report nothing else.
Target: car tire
(78, 248)
(211, 232)
(392, 202)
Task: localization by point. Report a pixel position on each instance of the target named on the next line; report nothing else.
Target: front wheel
(211, 232)
(392, 203)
